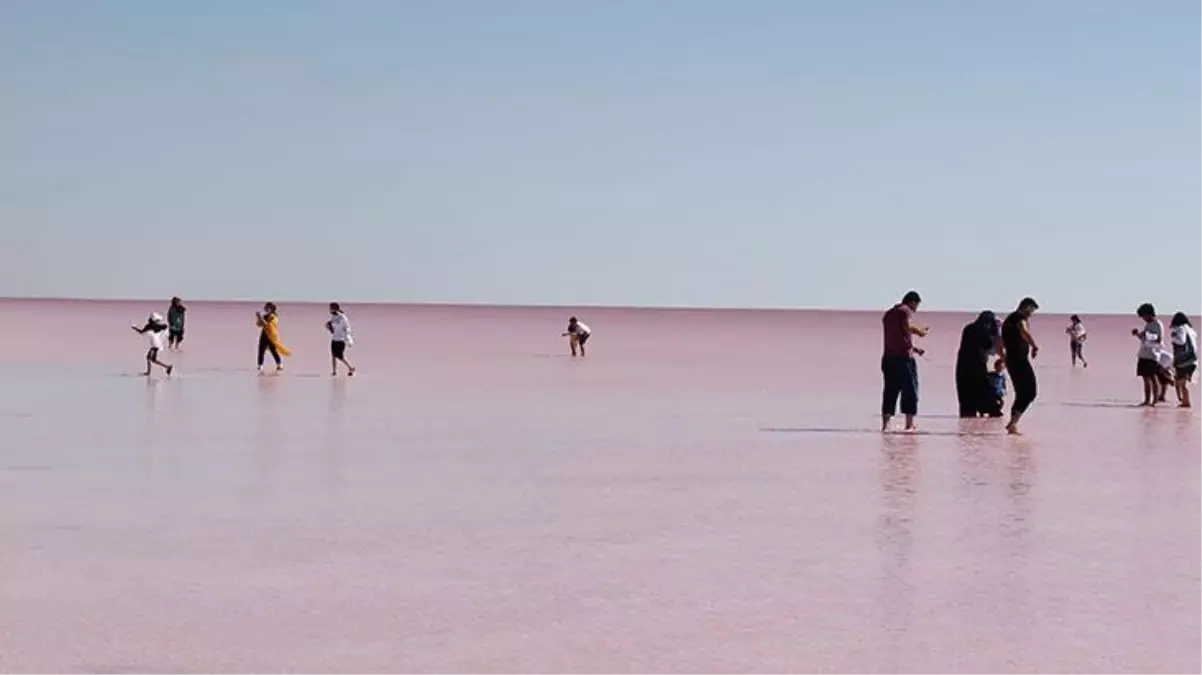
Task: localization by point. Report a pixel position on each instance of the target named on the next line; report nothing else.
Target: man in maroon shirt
(897, 361)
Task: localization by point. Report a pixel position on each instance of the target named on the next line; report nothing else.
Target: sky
(757, 153)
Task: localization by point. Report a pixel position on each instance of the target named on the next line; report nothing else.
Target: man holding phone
(898, 367)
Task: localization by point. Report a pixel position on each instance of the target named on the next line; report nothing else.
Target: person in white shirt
(1076, 340)
(577, 335)
(340, 338)
(1151, 344)
(1185, 355)
(155, 329)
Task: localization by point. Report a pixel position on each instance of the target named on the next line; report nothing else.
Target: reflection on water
(895, 539)
(1015, 531)
(267, 434)
(335, 429)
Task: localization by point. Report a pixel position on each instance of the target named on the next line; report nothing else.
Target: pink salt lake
(705, 492)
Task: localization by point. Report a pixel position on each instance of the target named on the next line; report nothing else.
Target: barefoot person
(175, 323)
(1147, 364)
(1185, 355)
(155, 328)
(1018, 348)
(340, 338)
(577, 334)
(898, 368)
(269, 336)
(1076, 340)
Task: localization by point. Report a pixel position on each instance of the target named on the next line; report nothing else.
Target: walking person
(1076, 340)
(898, 368)
(340, 338)
(978, 341)
(1151, 344)
(269, 336)
(154, 329)
(1185, 356)
(1018, 348)
(577, 334)
(175, 323)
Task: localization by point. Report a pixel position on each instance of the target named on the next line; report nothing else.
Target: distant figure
(269, 336)
(1151, 344)
(1018, 348)
(154, 328)
(577, 334)
(997, 389)
(898, 367)
(977, 341)
(1076, 340)
(175, 323)
(1185, 355)
(340, 338)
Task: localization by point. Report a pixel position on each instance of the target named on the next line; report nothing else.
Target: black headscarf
(980, 337)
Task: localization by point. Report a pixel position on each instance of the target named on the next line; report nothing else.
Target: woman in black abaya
(977, 342)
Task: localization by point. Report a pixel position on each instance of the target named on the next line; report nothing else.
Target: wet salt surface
(706, 492)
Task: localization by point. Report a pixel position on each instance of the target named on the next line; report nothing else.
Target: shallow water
(707, 491)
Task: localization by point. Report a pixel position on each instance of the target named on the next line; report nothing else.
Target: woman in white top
(155, 329)
(577, 335)
(1076, 340)
(1185, 355)
(340, 338)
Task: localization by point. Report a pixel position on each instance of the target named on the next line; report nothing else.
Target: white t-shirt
(1077, 331)
(155, 338)
(1165, 358)
(1151, 344)
(582, 328)
(341, 328)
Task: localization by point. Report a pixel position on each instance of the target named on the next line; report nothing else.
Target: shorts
(1186, 373)
(337, 349)
(152, 354)
(1147, 368)
(174, 335)
(582, 338)
(1076, 348)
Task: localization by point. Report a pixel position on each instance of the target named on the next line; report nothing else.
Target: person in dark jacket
(978, 341)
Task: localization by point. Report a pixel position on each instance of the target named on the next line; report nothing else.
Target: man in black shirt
(1018, 348)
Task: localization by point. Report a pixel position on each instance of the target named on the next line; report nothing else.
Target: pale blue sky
(635, 152)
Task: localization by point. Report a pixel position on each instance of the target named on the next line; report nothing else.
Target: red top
(896, 324)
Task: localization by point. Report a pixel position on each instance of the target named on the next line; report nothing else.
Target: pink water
(705, 492)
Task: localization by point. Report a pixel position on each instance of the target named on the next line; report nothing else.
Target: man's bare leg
(910, 423)
(885, 422)
(1012, 427)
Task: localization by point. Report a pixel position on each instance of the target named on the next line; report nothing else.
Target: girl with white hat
(155, 328)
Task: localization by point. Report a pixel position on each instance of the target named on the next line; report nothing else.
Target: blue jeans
(901, 379)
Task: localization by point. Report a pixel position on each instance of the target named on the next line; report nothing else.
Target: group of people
(268, 320)
(989, 350)
(1161, 366)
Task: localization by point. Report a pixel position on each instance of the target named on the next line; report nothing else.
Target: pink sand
(705, 492)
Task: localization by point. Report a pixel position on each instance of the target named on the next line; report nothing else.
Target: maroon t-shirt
(896, 323)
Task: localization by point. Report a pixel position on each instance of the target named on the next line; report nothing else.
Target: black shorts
(582, 338)
(1147, 368)
(337, 349)
(175, 335)
(152, 354)
(1185, 372)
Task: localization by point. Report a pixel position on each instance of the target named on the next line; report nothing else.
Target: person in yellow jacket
(269, 336)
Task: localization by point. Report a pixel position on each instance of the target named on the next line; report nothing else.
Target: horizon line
(495, 305)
